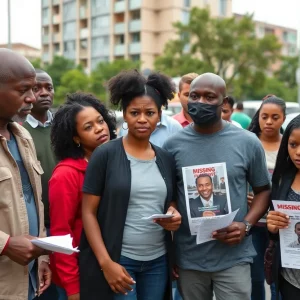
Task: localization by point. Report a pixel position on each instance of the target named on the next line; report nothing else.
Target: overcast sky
(26, 16)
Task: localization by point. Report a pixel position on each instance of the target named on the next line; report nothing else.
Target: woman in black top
(123, 256)
(286, 186)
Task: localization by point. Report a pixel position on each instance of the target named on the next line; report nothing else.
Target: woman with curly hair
(80, 125)
(122, 255)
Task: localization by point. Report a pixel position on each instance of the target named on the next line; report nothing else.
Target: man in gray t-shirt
(221, 265)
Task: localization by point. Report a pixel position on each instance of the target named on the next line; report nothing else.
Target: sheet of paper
(289, 237)
(212, 201)
(158, 216)
(210, 224)
(59, 244)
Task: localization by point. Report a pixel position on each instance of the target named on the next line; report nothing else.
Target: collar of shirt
(208, 203)
(34, 123)
(181, 119)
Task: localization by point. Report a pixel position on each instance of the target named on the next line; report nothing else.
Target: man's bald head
(211, 80)
(14, 66)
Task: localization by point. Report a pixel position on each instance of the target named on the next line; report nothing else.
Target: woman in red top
(79, 126)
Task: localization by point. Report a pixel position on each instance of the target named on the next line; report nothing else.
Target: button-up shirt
(34, 123)
(209, 203)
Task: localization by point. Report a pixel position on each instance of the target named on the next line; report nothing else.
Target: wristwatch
(248, 227)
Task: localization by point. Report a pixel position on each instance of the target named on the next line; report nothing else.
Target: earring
(123, 125)
(78, 145)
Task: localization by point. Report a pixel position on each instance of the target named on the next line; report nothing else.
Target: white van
(251, 107)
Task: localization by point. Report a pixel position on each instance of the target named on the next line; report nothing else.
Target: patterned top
(292, 275)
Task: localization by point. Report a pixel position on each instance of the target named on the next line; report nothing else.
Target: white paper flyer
(290, 237)
(206, 193)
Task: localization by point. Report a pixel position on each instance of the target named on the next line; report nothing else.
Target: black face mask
(202, 113)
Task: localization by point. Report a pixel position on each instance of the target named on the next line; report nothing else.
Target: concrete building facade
(92, 31)
(29, 52)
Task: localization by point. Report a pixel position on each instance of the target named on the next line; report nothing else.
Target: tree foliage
(226, 46)
(71, 82)
(59, 66)
(287, 71)
(104, 71)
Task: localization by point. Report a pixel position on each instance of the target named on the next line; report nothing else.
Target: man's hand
(45, 276)
(277, 220)
(175, 272)
(231, 235)
(22, 251)
(74, 297)
(170, 224)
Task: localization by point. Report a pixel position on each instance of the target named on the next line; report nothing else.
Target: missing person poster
(206, 192)
(290, 237)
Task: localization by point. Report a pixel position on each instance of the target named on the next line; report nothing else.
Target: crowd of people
(69, 173)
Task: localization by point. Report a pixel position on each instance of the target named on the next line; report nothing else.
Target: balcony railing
(55, 2)
(45, 39)
(135, 48)
(119, 49)
(56, 37)
(83, 12)
(135, 4)
(56, 19)
(120, 6)
(120, 28)
(84, 33)
(45, 56)
(135, 25)
(83, 53)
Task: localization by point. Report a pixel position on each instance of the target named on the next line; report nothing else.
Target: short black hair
(254, 125)
(298, 223)
(284, 164)
(130, 84)
(202, 176)
(240, 106)
(231, 101)
(64, 124)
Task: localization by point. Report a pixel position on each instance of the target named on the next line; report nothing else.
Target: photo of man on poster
(207, 203)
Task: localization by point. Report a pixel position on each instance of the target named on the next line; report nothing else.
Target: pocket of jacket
(37, 178)
(6, 187)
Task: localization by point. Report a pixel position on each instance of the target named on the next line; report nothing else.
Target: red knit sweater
(65, 195)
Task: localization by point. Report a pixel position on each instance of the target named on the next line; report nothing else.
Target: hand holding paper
(59, 244)
(211, 224)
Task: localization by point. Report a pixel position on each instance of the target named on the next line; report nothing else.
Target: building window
(45, 15)
(120, 39)
(100, 22)
(69, 31)
(185, 17)
(83, 44)
(100, 45)
(56, 48)
(223, 7)
(136, 15)
(136, 37)
(186, 3)
(135, 57)
(69, 11)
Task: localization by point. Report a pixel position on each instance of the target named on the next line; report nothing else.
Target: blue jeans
(151, 278)
(175, 291)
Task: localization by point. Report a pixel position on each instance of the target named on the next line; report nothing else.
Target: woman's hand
(170, 224)
(277, 220)
(117, 277)
(74, 297)
(250, 197)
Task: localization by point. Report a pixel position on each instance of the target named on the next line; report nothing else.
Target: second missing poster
(206, 192)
